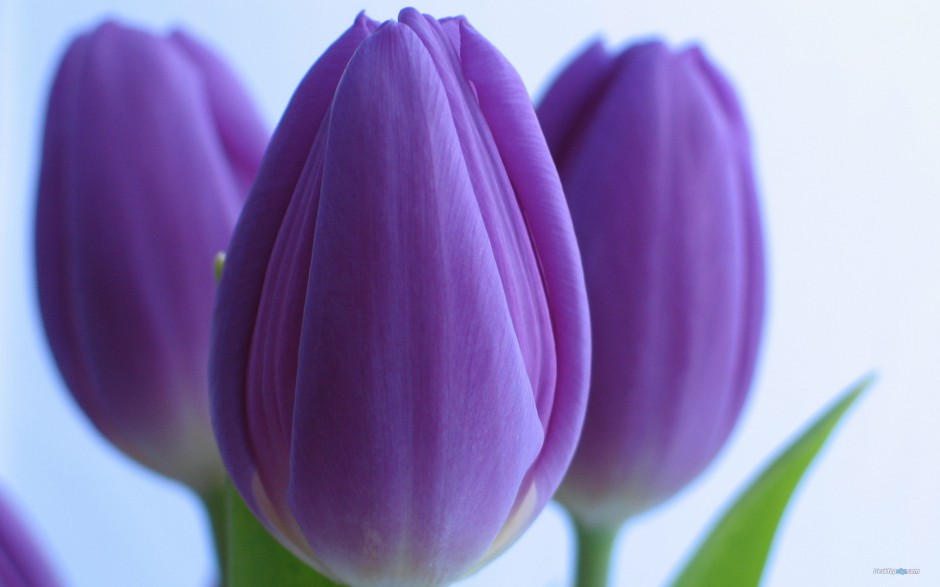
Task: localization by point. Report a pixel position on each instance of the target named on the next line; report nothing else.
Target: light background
(844, 99)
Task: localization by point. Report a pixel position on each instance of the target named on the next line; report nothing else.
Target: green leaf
(735, 552)
(257, 559)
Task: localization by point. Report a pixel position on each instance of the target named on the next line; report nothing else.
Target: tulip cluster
(399, 359)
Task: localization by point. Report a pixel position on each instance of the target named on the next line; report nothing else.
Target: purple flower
(400, 354)
(654, 155)
(22, 563)
(150, 147)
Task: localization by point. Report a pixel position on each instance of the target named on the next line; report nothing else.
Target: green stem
(216, 504)
(595, 546)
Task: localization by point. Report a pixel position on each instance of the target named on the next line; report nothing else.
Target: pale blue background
(844, 99)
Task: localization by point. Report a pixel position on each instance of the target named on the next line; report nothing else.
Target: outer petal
(570, 101)
(136, 197)
(514, 253)
(237, 309)
(508, 111)
(21, 562)
(665, 219)
(240, 128)
(409, 360)
(753, 247)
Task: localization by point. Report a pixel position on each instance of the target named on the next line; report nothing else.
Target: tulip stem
(217, 508)
(594, 546)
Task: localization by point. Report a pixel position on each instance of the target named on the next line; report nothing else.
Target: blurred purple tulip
(400, 354)
(22, 563)
(150, 147)
(654, 155)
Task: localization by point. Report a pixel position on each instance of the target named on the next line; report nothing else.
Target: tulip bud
(150, 147)
(654, 156)
(22, 563)
(400, 353)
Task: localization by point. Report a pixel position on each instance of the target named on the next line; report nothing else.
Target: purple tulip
(654, 155)
(150, 147)
(22, 563)
(400, 354)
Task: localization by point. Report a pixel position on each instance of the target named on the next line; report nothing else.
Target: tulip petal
(236, 314)
(753, 248)
(417, 413)
(237, 121)
(506, 228)
(508, 111)
(570, 101)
